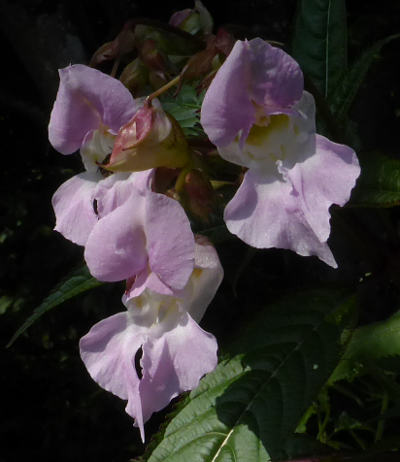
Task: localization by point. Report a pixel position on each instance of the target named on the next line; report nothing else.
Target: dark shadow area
(50, 408)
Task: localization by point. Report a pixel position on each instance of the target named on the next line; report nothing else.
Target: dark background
(50, 409)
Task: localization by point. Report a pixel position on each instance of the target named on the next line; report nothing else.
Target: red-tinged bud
(157, 79)
(200, 63)
(152, 138)
(198, 195)
(123, 43)
(135, 77)
(151, 55)
(224, 41)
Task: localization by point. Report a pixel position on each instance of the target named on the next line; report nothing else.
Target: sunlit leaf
(246, 410)
(186, 109)
(368, 343)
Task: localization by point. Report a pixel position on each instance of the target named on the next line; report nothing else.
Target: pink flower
(176, 352)
(257, 114)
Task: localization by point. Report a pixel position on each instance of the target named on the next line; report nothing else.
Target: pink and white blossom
(175, 351)
(258, 115)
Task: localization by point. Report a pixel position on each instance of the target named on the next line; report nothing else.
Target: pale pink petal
(276, 78)
(170, 241)
(108, 351)
(255, 77)
(205, 279)
(174, 363)
(267, 212)
(74, 207)
(86, 99)
(116, 247)
(117, 188)
(227, 108)
(324, 179)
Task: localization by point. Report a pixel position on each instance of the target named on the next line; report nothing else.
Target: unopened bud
(152, 56)
(123, 43)
(193, 20)
(152, 138)
(157, 79)
(198, 195)
(135, 77)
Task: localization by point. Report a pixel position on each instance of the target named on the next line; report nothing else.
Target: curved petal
(204, 281)
(277, 81)
(267, 212)
(117, 188)
(324, 179)
(170, 241)
(175, 362)
(227, 108)
(86, 99)
(289, 138)
(74, 208)
(116, 247)
(108, 351)
(255, 74)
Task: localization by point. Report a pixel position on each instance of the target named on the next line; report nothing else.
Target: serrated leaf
(251, 404)
(344, 94)
(379, 183)
(320, 42)
(76, 283)
(185, 108)
(369, 343)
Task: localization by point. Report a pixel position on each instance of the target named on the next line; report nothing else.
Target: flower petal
(175, 362)
(108, 351)
(74, 208)
(116, 247)
(204, 281)
(170, 241)
(255, 74)
(267, 211)
(86, 99)
(324, 179)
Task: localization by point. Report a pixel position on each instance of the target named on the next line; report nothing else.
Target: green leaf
(185, 108)
(344, 94)
(320, 42)
(368, 343)
(379, 183)
(76, 283)
(248, 408)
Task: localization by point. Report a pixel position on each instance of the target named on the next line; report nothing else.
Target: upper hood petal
(86, 99)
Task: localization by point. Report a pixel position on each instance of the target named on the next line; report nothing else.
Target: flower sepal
(152, 138)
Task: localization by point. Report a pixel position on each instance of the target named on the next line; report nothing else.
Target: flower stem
(164, 88)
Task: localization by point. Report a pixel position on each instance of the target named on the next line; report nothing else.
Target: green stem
(164, 88)
(381, 423)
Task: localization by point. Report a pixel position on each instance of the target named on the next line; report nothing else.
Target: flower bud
(152, 138)
(193, 20)
(152, 56)
(135, 77)
(123, 43)
(198, 195)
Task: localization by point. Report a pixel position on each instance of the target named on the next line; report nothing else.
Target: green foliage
(379, 183)
(248, 408)
(186, 109)
(76, 283)
(344, 94)
(369, 343)
(320, 42)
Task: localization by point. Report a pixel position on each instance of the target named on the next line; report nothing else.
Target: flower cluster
(258, 116)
